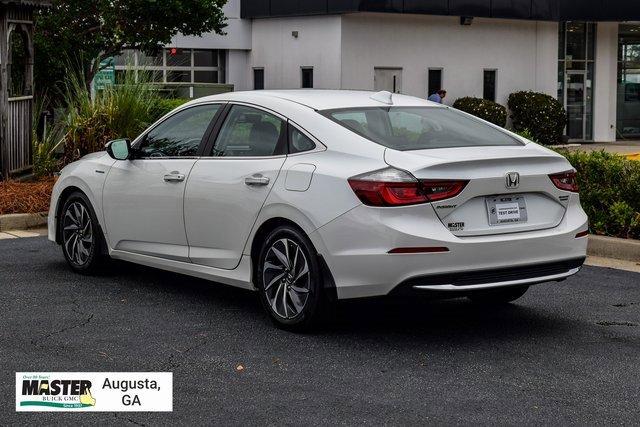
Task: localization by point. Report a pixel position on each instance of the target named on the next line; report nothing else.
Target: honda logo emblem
(513, 180)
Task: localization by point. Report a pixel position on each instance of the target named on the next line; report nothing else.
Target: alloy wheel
(77, 233)
(286, 278)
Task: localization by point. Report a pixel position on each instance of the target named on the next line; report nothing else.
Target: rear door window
(250, 132)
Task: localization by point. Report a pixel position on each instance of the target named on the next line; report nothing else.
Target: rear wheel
(289, 280)
(82, 238)
(498, 296)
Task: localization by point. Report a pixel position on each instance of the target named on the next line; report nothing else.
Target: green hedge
(485, 109)
(609, 192)
(543, 115)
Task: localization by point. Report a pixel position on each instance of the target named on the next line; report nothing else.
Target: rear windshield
(419, 128)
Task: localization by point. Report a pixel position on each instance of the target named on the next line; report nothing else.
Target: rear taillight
(393, 187)
(441, 190)
(567, 181)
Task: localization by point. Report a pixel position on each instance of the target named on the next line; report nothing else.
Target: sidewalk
(16, 234)
(618, 147)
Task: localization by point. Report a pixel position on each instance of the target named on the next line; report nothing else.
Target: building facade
(586, 53)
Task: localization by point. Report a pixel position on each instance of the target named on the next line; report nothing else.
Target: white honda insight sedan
(308, 196)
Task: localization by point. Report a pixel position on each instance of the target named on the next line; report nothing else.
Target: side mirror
(119, 149)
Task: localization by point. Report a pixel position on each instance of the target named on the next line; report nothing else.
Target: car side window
(299, 142)
(249, 132)
(179, 135)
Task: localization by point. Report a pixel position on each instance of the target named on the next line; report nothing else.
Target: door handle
(174, 176)
(257, 180)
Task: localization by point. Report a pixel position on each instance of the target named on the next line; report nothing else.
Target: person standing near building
(438, 96)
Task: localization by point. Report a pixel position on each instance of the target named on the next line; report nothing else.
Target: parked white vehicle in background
(308, 196)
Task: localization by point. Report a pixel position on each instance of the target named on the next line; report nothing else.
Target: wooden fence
(18, 134)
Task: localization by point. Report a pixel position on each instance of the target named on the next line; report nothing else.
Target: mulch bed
(25, 197)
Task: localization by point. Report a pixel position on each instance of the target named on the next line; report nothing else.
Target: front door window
(179, 135)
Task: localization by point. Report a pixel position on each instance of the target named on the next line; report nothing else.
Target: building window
(576, 77)
(435, 80)
(258, 78)
(628, 123)
(489, 86)
(174, 65)
(307, 77)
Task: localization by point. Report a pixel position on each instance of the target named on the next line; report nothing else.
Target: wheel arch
(260, 236)
(62, 198)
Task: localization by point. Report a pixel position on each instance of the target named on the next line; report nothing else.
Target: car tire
(81, 236)
(498, 296)
(289, 280)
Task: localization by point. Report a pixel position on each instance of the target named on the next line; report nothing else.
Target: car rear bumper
(356, 248)
(492, 278)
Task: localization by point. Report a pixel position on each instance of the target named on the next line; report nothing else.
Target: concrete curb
(611, 247)
(22, 221)
(599, 246)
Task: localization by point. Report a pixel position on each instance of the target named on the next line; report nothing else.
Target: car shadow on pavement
(419, 317)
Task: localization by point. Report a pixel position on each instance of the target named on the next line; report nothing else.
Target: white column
(238, 72)
(606, 83)
(547, 58)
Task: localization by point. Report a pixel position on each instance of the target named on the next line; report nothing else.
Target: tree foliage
(84, 32)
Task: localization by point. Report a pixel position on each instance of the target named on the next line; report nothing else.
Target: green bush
(165, 105)
(543, 115)
(484, 109)
(609, 192)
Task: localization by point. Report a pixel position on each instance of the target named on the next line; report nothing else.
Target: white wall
(238, 33)
(237, 72)
(547, 58)
(523, 52)
(282, 55)
(606, 87)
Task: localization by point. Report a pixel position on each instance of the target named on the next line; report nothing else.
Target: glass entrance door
(575, 103)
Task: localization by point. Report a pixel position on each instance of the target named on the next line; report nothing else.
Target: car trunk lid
(490, 204)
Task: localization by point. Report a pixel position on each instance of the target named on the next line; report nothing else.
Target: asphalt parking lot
(567, 353)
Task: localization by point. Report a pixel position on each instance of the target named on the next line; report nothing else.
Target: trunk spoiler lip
(420, 159)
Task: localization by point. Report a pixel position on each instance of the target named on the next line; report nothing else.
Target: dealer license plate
(505, 210)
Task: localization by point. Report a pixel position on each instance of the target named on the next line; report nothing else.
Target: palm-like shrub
(119, 111)
(47, 143)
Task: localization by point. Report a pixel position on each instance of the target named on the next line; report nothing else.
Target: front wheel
(289, 280)
(498, 296)
(82, 238)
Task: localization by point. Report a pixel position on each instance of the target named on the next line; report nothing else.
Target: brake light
(440, 190)
(393, 187)
(567, 181)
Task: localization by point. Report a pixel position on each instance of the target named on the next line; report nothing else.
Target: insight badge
(94, 391)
